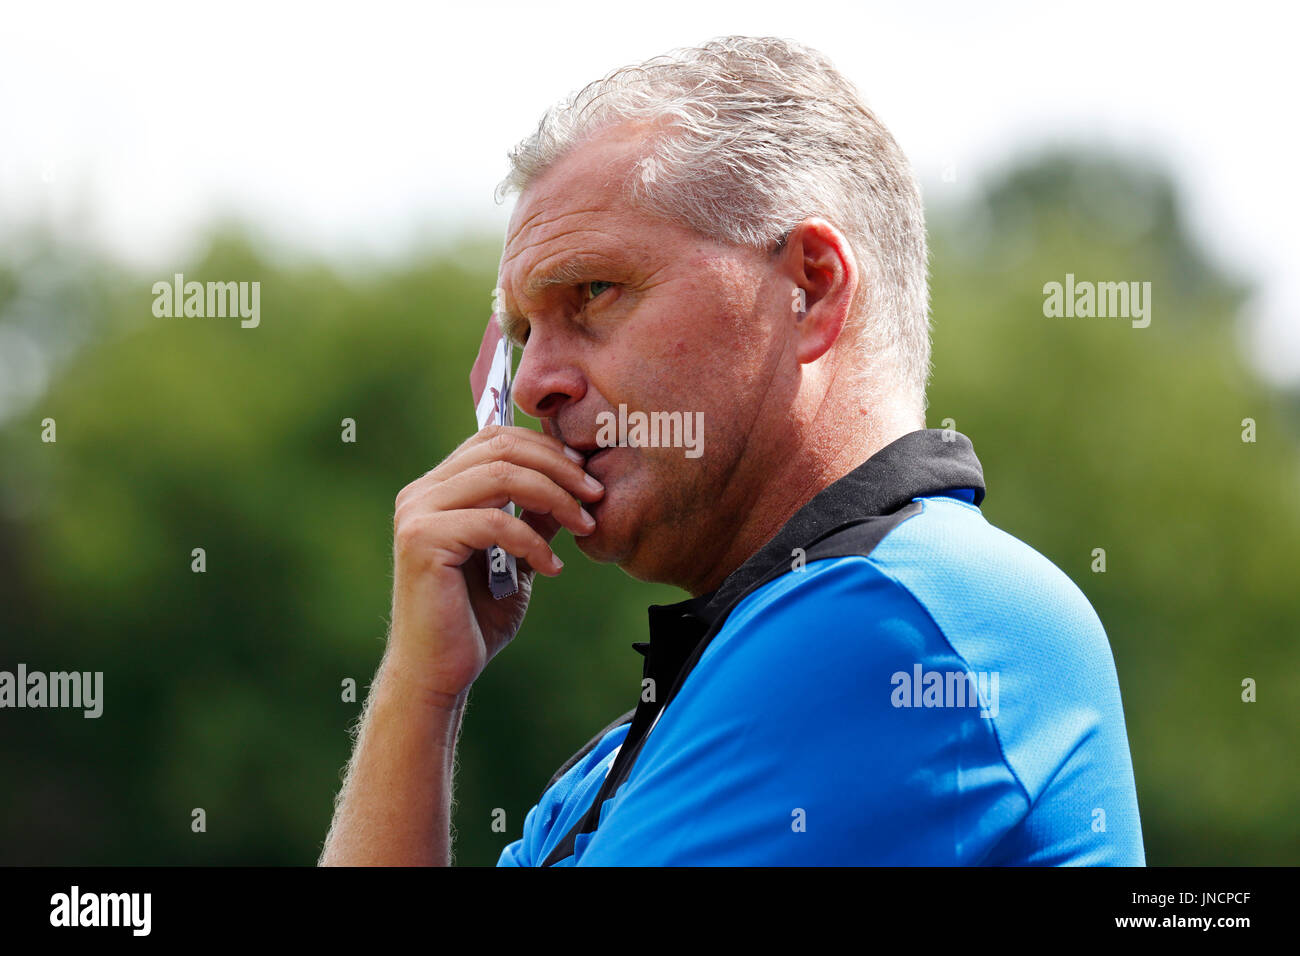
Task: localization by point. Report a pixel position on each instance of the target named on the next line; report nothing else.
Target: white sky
(356, 130)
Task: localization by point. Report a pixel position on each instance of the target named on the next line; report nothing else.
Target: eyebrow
(573, 270)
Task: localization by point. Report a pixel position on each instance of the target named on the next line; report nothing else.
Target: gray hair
(762, 133)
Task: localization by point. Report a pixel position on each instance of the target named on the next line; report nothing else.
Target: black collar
(925, 462)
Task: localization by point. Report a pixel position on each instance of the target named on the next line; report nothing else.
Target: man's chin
(618, 527)
(602, 547)
(627, 519)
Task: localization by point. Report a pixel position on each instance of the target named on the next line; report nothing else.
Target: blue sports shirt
(889, 680)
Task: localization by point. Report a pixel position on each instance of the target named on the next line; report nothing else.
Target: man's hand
(446, 625)
(394, 807)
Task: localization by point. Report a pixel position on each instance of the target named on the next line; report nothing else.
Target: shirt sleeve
(516, 854)
(563, 803)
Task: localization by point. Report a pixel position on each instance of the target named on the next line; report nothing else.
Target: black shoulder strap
(853, 538)
(586, 749)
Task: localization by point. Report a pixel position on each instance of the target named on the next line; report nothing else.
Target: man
(867, 671)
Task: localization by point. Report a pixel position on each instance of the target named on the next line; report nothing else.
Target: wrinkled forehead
(581, 196)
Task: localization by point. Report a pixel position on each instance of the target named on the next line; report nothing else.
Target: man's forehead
(568, 250)
(564, 225)
(584, 189)
(580, 192)
(559, 234)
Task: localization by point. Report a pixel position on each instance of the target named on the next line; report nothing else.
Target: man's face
(658, 319)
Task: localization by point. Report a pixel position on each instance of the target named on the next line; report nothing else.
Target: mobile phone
(489, 383)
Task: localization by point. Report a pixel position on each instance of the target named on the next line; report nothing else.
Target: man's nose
(547, 378)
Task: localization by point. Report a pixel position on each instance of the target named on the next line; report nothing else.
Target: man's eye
(596, 288)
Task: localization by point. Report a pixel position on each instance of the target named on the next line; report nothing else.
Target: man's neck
(782, 491)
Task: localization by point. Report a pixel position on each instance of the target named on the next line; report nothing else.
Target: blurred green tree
(223, 689)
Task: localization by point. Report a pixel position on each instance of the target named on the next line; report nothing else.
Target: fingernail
(555, 559)
(587, 519)
(574, 454)
(592, 483)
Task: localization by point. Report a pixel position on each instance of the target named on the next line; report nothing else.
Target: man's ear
(823, 272)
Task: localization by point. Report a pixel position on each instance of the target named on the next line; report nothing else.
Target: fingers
(524, 447)
(450, 537)
(494, 483)
(508, 464)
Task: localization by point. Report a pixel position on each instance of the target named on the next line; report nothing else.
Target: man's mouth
(592, 452)
(593, 458)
